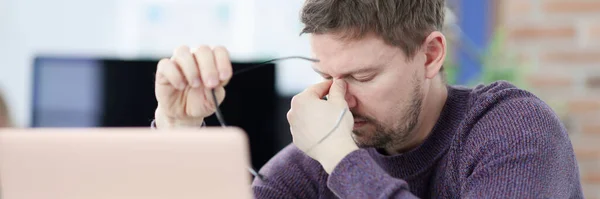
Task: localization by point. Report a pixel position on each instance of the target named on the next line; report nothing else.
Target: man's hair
(401, 23)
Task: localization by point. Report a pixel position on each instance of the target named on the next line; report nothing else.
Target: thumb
(337, 92)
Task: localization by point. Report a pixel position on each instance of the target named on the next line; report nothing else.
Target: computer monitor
(113, 92)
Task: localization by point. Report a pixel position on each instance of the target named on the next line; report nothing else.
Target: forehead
(339, 56)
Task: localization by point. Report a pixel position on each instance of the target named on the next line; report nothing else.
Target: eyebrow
(362, 70)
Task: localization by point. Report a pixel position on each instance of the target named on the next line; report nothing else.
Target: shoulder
(502, 106)
(510, 133)
(483, 97)
(504, 117)
(292, 173)
(482, 100)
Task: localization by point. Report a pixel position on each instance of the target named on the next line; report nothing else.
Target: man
(407, 134)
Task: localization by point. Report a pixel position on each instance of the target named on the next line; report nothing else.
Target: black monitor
(109, 92)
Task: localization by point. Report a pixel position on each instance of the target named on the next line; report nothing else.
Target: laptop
(124, 163)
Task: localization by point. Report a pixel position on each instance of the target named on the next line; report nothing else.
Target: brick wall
(560, 41)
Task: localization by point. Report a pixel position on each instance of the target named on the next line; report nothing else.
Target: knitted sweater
(492, 141)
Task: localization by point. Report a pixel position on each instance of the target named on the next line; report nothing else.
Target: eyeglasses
(218, 111)
(221, 119)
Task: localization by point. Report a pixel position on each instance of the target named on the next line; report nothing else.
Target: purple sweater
(492, 141)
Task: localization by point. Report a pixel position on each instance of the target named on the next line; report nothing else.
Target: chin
(362, 140)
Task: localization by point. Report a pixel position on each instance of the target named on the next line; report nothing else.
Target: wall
(37, 26)
(560, 41)
(251, 29)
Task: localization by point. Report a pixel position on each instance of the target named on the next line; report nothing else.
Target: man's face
(384, 87)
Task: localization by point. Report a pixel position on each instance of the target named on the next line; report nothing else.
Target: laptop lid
(124, 163)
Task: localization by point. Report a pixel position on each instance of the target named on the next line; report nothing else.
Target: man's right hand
(184, 83)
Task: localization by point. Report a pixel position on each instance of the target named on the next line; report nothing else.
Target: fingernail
(196, 83)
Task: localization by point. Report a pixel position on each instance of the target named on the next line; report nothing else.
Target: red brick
(543, 32)
(591, 129)
(595, 30)
(571, 6)
(594, 33)
(572, 57)
(589, 153)
(593, 82)
(591, 177)
(516, 9)
(522, 57)
(583, 106)
(549, 81)
(520, 7)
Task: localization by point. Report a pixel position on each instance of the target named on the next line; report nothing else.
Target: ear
(435, 52)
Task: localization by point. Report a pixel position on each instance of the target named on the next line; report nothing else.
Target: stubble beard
(399, 133)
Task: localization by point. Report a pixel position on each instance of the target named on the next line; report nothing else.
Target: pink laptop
(122, 163)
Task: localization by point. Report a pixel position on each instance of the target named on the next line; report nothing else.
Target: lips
(358, 124)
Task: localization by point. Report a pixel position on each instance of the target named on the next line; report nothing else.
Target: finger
(220, 93)
(209, 100)
(184, 59)
(318, 90)
(208, 69)
(223, 64)
(169, 73)
(337, 92)
(289, 116)
(195, 100)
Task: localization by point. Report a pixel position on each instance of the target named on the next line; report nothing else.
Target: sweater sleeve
(358, 176)
(519, 149)
(290, 174)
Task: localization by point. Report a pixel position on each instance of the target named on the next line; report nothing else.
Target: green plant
(499, 63)
(450, 66)
(496, 61)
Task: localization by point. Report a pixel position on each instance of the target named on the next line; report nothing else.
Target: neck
(434, 99)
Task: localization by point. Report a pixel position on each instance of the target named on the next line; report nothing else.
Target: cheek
(373, 100)
(382, 100)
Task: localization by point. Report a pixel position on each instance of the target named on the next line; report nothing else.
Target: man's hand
(311, 118)
(184, 83)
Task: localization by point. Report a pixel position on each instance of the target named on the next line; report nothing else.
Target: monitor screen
(101, 92)
(67, 92)
(90, 92)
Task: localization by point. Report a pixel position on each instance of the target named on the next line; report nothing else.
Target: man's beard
(399, 132)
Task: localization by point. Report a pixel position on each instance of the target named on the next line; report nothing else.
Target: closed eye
(364, 78)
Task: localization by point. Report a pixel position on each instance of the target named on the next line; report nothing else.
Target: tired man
(405, 132)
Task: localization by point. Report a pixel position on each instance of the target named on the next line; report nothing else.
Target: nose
(350, 99)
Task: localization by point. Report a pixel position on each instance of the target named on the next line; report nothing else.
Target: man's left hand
(311, 118)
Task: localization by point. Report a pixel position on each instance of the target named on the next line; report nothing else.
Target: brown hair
(401, 23)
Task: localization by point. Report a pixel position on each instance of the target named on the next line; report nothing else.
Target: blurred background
(91, 63)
